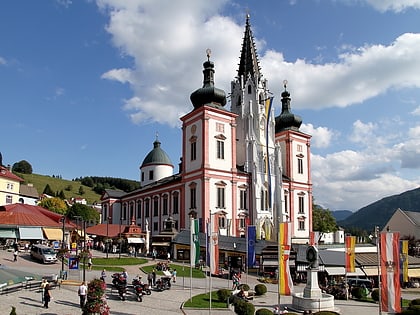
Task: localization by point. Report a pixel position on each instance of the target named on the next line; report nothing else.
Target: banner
(404, 260)
(195, 243)
(214, 245)
(285, 243)
(251, 238)
(312, 241)
(390, 272)
(268, 106)
(350, 253)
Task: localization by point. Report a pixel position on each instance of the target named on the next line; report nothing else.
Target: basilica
(240, 166)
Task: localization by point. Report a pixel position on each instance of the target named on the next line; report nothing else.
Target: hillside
(379, 212)
(340, 215)
(69, 187)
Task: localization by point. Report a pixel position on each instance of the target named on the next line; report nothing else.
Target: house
(405, 222)
(9, 186)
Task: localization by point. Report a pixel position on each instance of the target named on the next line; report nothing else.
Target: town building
(239, 167)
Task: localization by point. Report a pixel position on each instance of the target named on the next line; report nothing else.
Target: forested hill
(90, 188)
(379, 212)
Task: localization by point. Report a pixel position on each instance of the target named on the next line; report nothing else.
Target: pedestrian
(43, 284)
(15, 255)
(103, 275)
(125, 274)
(174, 275)
(154, 277)
(82, 294)
(150, 279)
(169, 257)
(47, 295)
(90, 263)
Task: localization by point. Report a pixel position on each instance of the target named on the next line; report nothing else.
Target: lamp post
(84, 250)
(119, 238)
(63, 219)
(107, 236)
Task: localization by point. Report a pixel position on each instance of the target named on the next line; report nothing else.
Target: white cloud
(394, 5)
(321, 136)
(2, 61)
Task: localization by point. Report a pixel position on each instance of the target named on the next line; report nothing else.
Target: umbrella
(10, 276)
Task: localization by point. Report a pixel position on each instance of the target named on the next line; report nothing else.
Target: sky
(86, 86)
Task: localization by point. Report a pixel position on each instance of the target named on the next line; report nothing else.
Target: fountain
(312, 298)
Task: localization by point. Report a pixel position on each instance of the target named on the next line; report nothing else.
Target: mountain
(340, 215)
(379, 212)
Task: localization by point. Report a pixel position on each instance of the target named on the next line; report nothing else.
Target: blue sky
(86, 85)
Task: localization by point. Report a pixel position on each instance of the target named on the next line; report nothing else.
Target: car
(358, 282)
(43, 253)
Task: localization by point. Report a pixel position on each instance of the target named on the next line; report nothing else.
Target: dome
(287, 120)
(156, 156)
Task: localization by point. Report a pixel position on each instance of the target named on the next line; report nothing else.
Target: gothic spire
(249, 64)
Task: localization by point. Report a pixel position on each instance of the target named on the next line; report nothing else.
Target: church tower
(256, 152)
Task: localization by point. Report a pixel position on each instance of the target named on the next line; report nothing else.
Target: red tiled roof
(4, 172)
(28, 215)
(101, 230)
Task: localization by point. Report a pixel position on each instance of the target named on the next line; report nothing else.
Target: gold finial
(208, 53)
(285, 84)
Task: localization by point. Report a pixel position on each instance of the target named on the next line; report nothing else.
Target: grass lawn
(203, 301)
(115, 264)
(181, 271)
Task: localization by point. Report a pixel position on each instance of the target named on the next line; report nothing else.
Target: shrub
(358, 292)
(415, 302)
(244, 308)
(260, 289)
(223, 295)
(263, 311)
(244, 286)
(375, 295)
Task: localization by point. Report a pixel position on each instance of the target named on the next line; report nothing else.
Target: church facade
(239, 166)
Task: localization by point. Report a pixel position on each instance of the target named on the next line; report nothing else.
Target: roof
(413, 216)
(28, 191)
(156, 156)
(108, 230)
(248, 64)
(5, 173)
(226, 243)
(28, 215)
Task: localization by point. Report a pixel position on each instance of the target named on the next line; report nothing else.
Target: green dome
(156, 156)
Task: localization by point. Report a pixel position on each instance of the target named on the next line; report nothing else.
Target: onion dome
(208, 94)
(287, 120)
(156, 156)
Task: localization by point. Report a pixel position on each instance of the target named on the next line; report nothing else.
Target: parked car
(43, 253)
(358, 282)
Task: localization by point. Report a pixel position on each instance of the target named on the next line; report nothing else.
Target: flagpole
(192, 253)
(211, 254)
(379, 269)
(279, 250)
(247, 253)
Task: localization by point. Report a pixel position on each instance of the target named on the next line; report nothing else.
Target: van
(43, 253)
(357, 282)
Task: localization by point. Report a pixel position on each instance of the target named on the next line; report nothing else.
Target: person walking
(154, 277)
(90, 263)
(15, 255)
(47, 295)
(82, 294)
(103, 275)
(43, 284)
(174, 275)
(150, 279)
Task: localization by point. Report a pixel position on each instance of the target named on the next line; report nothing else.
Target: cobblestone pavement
(66, 301)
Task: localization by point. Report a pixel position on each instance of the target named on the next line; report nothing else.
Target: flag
(285, 243)
(312, 238)
(390, 272)
(214, 245)
(350, 253)
(195, 243)
(251, 237)
(268, 105)
(404, 260)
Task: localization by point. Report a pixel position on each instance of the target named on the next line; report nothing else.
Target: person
(174, 275)
(150, 279)
(235, 280)
(47, 295)
(90, 263)
(169, 257)
(82, 294)
(43, 284)
(103, 275)
(154, 277)
(125, 274)
(241, 294)
(15, 255)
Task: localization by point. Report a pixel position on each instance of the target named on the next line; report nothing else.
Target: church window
(242, 223)
(301, 204)
(105, 211)
(193, 151)
(286, 203)
(243, 198)
(220, 149)
(124, 212)
(264, 200)
(300, 166)
(299, 148)
(142, 176)
(249, 89)
(220, 127)
(301, 225)
(155, 226)
(151, 175)
(175, 203)
(220, 197)
(155, 206)
(131, 209)
(193, 204)
(165, 205)
(138, 209)
(147, 208)
(222, 222)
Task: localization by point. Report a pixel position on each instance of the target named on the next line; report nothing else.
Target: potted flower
(96, 300)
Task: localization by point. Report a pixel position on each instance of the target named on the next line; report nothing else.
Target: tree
(54, 204)
(61, 195)
(48, 191)
(85, 212)
(22, 167)
(323, 221)
(81, 191)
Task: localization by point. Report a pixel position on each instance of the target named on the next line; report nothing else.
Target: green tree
(81, 190)
(22, 167)
(61, 195)
(48, 191)
(54, 204)
(323, 221)
(85, 212)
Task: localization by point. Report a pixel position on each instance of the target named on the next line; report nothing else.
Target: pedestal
(312, 289)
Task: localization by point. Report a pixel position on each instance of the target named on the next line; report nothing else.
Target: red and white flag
(214, 245)
(390, 272)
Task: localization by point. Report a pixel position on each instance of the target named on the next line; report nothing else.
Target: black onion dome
(287, 120)
(156, 156)
(208, 93)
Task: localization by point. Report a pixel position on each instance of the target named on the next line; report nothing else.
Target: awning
(341, 271)
(270, 263)
(161, 244)
(53, 234)
(371, 271)
(7, 233)
(135, 240)
(30, 233)
(414, 273)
